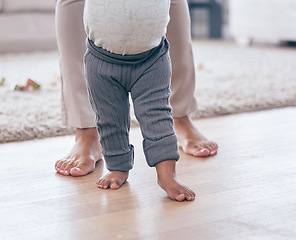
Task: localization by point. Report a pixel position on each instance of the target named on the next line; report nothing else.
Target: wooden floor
(247, 191)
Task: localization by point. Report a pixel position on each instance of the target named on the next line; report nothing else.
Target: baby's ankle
(166, 170)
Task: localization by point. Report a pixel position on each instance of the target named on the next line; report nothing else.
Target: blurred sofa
(262, 20)
(27, 25)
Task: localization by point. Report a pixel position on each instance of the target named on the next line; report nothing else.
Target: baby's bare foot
(83, 156)
(191, 140)
(113, 180)
(176, 190)
(168, 182)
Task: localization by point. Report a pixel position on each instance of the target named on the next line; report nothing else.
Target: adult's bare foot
(191, 140)
(167, 180)
(113, 180)
(83, 156)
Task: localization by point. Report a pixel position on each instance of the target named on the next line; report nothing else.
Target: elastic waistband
(123, 59)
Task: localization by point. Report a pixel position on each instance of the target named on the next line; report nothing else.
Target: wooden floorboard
(247, 191)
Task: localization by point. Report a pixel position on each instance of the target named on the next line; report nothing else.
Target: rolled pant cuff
(161, 150)
(122, 163)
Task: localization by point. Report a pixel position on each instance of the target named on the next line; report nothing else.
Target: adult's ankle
(86, 132)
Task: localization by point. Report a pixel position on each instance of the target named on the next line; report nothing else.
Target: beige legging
(76, 110)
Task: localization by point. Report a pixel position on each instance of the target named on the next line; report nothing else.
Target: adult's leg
(183, 82)
(76, 110)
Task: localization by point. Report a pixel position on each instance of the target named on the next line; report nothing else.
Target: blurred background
(29, 24)
(245, 21)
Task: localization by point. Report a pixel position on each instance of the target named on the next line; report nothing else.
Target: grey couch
(27, 25)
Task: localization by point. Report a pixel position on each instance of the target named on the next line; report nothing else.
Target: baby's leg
(152, 108)
(110, 102)
(168, 181)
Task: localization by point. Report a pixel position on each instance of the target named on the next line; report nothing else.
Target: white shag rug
(230, 79)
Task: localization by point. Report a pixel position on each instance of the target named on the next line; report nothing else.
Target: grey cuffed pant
(146, 76)
(76, 110)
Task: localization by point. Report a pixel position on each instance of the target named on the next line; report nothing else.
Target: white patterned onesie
(126, 26)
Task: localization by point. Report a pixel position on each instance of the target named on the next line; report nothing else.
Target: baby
(127, 53)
